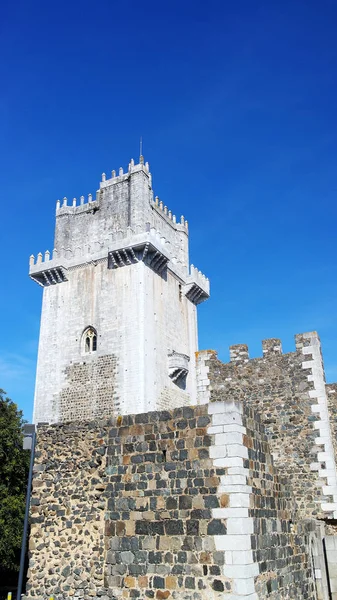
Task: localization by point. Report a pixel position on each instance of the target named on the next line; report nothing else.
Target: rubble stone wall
(286, 390)
(90, 389)
(66, 545)
(280, 542)
(181, 504)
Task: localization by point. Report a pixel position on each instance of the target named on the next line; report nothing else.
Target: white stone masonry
(120, 265)
(320, 408)
(229, 452)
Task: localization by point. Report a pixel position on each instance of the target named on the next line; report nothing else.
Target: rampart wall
(288, 392)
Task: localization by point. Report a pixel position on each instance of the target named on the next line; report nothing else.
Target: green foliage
(14, 466)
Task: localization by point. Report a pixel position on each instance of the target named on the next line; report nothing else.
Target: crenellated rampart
(288, 392)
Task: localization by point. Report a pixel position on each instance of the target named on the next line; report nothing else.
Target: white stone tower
(118, 328)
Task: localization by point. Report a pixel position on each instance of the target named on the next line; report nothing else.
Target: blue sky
(236, 103)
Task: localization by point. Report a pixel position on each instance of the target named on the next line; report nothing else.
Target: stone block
(237, 450)
(233, 479)
(331, 542)
(218, 451)
(242, 557)
(239, 525)
(226, 418)
(229, 489)
(228, 542)
(225, 407)
(244, 586)
(236, 461)
(236, 571)
(215, 429)
(232, 437)
(225, 513)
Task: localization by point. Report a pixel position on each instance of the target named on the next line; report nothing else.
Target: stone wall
(66, 545)
(180, 504)
(90, 389)
(124, 203)
(280, 541)
(288, 392)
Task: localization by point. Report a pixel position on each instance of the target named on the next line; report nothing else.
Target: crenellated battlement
(91, 204)
(90, 228)
(199, 277)
(80, 205)
(198, 288)
(289, 393)
(46, 270)
(123, 175)
(40, 258)
(116, 248)
(271, 347)
(165, 212)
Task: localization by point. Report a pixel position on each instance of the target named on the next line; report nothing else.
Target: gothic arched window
(89, 338)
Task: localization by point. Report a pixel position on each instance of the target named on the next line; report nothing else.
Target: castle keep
(118, 327)
(161, 472)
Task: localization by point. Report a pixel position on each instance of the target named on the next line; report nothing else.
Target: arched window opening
(89, 340)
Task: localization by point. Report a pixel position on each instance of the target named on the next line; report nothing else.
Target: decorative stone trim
(93, 262)
(178, 365)
(196, 294)
(50, 276)
(197, 288)
(229, 452)
(145, 251)
(310, 345)
(121, 176)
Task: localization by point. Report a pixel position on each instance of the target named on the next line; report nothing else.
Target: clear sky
(236, 103)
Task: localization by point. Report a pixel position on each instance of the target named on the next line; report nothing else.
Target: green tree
(14, 466)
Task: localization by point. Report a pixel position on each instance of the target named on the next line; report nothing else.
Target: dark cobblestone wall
(90, 389)
(280, 543)
(277, 388)
(123, 509)
(160, 528)
(66, 546)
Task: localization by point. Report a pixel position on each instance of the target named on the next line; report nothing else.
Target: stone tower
(119, 326)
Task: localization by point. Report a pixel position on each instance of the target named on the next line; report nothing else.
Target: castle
(161, 472)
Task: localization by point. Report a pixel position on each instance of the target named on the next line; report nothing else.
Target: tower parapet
(197, 286)
(81, 205)
(123, 203)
